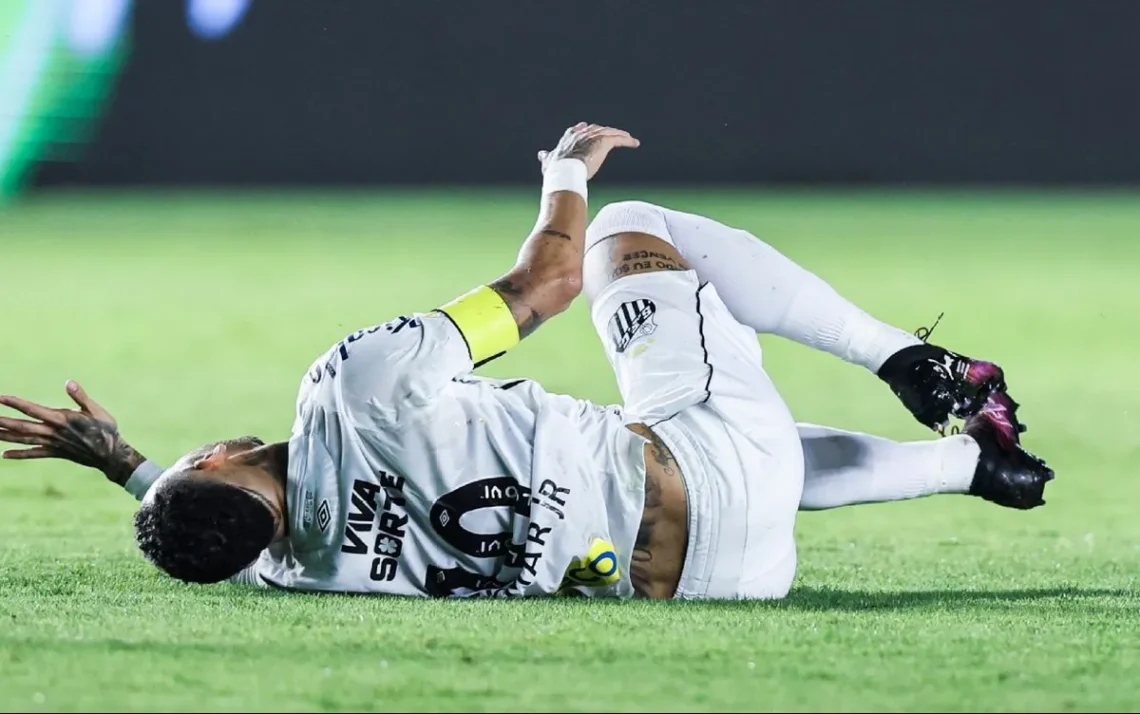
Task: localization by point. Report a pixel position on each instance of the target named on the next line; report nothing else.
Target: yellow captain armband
(485, 321)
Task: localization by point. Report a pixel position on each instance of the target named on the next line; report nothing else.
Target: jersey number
(446, 520)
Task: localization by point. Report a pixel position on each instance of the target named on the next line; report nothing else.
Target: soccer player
(406, 475)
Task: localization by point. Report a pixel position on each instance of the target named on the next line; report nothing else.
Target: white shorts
(692, 373)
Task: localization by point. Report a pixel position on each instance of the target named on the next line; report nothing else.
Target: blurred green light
(58, 59)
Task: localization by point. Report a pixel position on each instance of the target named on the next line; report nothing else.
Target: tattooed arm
(87, 436)
(548, 275)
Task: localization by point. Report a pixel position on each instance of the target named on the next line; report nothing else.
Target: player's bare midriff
(662, 538)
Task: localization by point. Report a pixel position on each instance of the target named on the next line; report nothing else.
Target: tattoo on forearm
(97, 444)
(555, 234)
(526, 316)
(645, 261)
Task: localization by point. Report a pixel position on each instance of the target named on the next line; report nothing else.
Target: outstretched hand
(589, 143)
(87, 436)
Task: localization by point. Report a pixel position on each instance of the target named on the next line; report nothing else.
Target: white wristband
(143, 478)
(565, 175)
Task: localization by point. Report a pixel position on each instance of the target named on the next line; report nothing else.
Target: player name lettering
(551, 497)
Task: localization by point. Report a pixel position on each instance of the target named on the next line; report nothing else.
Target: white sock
(843, 468)
(761, 287)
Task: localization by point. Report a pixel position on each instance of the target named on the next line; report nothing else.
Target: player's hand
(590, 143)
(87, 436)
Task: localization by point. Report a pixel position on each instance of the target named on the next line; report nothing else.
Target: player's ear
(213, 460)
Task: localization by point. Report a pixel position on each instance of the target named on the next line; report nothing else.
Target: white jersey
(409, 476)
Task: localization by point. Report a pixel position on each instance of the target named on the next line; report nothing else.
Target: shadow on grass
(802, 599)
(836, 600)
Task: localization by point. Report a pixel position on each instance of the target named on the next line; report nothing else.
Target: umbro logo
(324, 516)
(632, 321)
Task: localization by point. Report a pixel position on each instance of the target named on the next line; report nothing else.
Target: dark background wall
(379, 91)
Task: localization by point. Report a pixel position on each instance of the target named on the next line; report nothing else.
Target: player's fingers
(609, 143)
(626, 141)
(38, 452)
(616, 137)
(86, 403)
(22, 426)
(35, 411)
(612, 131)
(542, 156)
(601, 130)
(14, 437)
(592, 132)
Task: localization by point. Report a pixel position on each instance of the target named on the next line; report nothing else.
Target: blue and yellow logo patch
(598, 568)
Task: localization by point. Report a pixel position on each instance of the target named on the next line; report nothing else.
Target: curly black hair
(203, 531)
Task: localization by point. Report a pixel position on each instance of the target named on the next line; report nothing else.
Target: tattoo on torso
(641, 560)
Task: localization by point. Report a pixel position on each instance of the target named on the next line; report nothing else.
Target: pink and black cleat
(1000, 414)
(1007, 474)
(934, 383)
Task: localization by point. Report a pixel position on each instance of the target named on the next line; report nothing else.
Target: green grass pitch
(194, 318)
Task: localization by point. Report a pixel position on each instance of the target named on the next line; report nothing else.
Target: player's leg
(693, 374)
(772, 294)
(762, 287)
(844, 468)
(660, 324)
(669, 336)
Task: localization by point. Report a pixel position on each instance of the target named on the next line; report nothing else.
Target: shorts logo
(323, 516)
(632, 321)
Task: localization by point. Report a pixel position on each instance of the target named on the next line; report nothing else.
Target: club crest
(632, 321)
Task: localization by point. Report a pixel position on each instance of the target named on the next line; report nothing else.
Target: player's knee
(629, 246)
(628, 217)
